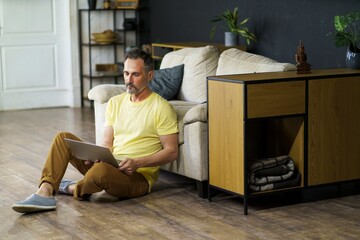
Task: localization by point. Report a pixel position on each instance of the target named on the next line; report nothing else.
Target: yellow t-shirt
(137, 127)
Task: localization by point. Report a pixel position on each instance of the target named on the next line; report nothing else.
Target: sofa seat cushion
(181, 108)
(199, 63)
(197, 113)
(235, 61)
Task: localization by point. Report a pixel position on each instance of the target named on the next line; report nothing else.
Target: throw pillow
(199, 63)
(167, 81)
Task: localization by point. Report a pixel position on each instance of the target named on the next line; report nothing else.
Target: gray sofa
(190, 104)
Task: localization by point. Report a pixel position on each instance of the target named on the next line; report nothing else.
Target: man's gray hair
(136, 53)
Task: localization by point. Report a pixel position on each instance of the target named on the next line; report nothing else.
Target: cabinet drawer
(274, 99)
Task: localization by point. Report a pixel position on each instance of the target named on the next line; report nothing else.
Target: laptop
(91, 152)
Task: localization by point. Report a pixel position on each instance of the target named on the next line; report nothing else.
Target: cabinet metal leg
(338, 190)
(202, 188)
(245, 206)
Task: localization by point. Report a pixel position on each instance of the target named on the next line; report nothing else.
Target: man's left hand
(128, 166)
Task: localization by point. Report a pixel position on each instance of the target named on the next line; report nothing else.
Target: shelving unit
(92, 53)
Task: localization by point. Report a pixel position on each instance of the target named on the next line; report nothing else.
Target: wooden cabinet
(313, 118)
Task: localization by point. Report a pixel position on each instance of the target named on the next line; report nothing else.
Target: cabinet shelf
(103, 44)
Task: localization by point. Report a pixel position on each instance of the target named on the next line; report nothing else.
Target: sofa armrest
(102, 93)
(197, 113)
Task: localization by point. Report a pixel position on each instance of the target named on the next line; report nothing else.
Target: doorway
(35, 54)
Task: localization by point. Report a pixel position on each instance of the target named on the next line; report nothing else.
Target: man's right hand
(89, 163)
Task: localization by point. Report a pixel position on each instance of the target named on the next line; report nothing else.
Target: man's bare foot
(45, 190)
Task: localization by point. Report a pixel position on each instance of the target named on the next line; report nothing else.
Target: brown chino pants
(98, 177)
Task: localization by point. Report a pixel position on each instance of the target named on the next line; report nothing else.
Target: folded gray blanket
(292, 182)
(269, 163)
(273, 173)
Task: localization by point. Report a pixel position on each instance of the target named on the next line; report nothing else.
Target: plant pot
(92, 4)
(231, 39)
(352, 59)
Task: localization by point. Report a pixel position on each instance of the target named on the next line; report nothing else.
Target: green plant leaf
(231, 20)
(244, 21)
(338, 24)
(347, 30)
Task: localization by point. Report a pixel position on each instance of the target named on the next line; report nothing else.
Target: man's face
(135, 76)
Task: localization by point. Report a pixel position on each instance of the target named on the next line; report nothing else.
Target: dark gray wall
(278, 24)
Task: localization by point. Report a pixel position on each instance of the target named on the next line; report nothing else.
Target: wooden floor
(172, 211)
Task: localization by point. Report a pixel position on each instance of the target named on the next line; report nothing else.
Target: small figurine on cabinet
(301, 60)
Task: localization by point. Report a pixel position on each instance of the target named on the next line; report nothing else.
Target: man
(140, 128)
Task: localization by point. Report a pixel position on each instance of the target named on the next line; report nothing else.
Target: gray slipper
(35, 203)
(64, 186)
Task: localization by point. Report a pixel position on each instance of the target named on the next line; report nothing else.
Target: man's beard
(131, 89)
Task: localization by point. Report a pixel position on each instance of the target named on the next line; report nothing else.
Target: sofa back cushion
(234, 61)
(199, 63)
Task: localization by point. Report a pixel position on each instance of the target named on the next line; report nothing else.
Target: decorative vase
(231, 39)
(92, 4)
(352, 59)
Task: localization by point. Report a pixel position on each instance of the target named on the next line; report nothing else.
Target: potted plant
(347, 33)
(234, 27)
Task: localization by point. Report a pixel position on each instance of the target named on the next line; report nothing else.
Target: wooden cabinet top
(286, 76)
(181, 45)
